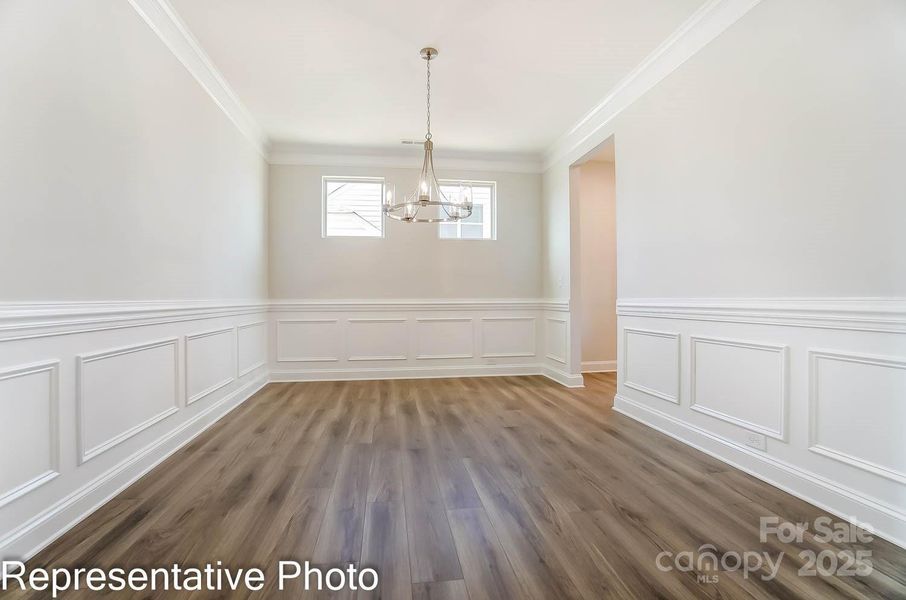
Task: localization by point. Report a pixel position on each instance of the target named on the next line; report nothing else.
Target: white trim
(325, 179)
(670, 335)
(492, 212)
(418, 353)
(258, 365)
(418, 304)
(377, 357)
(882, 315)
(213, 388)
(709, 21)
(86, 454)
(813, 443)
(38, 532)
(434, 372)
(407, 372)
(782, 350)
(22, 321)
(534, 351)
(400, 158)
(562, 377)
(282, 359)
(52, 367)
(846, 503)
(377, 320)
(550, 355)
(173, 32)
(599, 366)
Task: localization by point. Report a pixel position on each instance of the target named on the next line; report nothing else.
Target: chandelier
(427, 203)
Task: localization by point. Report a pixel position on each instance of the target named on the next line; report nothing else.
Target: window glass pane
(448, 230)
(353, 208)
(472, 231)
(477, 215)
(479, 225)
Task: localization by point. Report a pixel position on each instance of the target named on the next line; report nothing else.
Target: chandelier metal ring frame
(427, 193)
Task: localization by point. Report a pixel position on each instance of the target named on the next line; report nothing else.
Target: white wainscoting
(251, 347)
(509, 337)
(859, 393)
(30, 429)
(308, 340)
(417, 338)
(557, 336)
(102, 392)
(651, 362)
(823, 380)
(210, 362)
(123, 391)
(377, 339)
(438, 338)
(743, 383)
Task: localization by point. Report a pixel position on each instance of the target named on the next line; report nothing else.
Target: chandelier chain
(435, 205)
(428, 103)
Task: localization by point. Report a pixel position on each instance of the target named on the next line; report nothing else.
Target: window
(482, 225)
(352, 207)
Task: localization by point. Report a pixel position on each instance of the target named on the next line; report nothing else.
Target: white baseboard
(434, 372)
(34, 535)
(846, 503)
(562, 377)
(599, 366)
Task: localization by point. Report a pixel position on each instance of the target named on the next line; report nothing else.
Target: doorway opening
(595, 176)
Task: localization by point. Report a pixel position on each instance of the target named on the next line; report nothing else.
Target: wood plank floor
(485, 488)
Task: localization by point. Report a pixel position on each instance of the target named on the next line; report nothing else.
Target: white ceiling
(512, 75)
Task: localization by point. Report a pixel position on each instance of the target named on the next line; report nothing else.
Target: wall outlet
(757, 441)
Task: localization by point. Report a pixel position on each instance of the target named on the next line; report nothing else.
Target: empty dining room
(453, 301)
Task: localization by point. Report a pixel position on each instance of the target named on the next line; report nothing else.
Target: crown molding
(400, 158)
(169, 27)
(708, 22)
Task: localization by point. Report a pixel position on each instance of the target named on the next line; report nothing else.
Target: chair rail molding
(857, 314)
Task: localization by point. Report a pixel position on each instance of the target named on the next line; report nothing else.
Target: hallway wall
(597, 222)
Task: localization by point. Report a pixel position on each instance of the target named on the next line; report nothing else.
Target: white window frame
(328, 178)
(493, 216)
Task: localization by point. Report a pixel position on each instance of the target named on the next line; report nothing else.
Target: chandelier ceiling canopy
(427, 203)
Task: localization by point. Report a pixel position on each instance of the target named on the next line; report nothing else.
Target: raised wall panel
(210, 362)
(743, 383)
(556, 339)
(124, 391)
(29, 429)
(507, 337)
(251, 347)
(651, 363)
(444, 337)
(377, 339)
(308, 340)
(858, 411)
